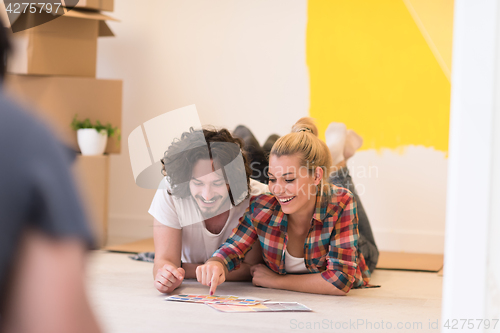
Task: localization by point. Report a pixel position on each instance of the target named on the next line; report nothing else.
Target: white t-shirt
(198, 244)
(294, 264)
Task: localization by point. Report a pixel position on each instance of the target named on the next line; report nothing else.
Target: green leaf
(110, 130)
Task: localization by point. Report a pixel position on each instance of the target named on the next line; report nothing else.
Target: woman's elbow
(330, 289)
(337, 292)
(331, 285)
(340, 293)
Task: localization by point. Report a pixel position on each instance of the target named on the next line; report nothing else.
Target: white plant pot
(92, 142)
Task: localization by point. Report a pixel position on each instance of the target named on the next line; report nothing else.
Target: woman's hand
(168, 278)
(264, 277)
(211, 274)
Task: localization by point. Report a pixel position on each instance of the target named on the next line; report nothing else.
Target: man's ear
(318, 175)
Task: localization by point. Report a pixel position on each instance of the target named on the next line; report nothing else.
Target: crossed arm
(168, 271)
(214, 272)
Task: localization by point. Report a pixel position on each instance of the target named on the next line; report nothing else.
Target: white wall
(404, 195)
(238, 61)
(472, 269)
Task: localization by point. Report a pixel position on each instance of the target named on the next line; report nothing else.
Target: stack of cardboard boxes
(53, 70)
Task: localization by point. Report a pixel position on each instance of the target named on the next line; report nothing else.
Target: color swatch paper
(263, 307)
(207, 299)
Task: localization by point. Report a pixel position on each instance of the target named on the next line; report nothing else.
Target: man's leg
(366, 242)
(256, 155)
(268, 145)
(343, 143)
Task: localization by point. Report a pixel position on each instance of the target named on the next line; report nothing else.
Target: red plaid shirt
(331, 246)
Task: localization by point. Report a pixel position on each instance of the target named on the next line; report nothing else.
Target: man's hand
(168, 278)
(211, 274)
(264, 277)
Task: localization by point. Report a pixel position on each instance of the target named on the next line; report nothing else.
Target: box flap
(104, 30)
(105, 5)
(84, 14)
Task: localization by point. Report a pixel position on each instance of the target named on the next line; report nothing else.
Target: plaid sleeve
(232, 252)
(342, 257)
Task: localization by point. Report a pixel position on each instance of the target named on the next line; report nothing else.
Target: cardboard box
(65, 45)
(106, 5)
(92, 179)
(410, 261)
(56, 99)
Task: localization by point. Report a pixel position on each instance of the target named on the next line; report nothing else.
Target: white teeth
(205, 201)
(286, 200)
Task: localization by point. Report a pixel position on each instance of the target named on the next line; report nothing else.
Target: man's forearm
(190, 269)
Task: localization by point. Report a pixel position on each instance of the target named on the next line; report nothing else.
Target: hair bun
(305, 124)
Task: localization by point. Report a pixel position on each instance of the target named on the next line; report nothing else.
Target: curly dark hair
(219, 146)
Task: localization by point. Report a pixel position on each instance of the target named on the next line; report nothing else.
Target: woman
(304, 225)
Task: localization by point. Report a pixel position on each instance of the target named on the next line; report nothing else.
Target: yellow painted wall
(371, 68)
(434, 18)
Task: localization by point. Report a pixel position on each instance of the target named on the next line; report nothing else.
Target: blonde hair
(304, 141)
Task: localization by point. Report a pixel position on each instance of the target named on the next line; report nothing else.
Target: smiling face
(292, 184)
(209, 189)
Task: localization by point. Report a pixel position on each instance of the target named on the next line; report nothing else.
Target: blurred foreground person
(43, 232)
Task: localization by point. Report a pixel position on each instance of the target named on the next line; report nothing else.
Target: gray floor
(124, 300)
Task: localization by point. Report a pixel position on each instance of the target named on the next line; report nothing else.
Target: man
(206, 190)
(343, 144)
(44, 235)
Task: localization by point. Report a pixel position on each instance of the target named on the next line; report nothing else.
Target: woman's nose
(277, 189)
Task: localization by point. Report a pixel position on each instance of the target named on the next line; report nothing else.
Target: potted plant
(92, 138)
